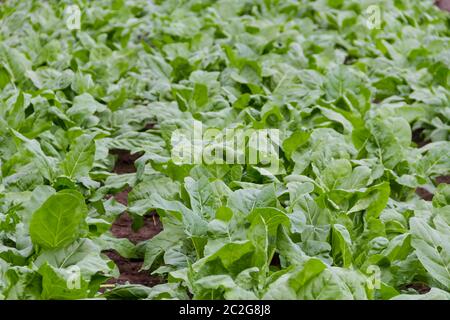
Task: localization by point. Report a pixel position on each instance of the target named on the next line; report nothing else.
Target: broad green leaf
(59, 221)
(80, 158)
(341, 246)
(43, 162)
(58, 284)
(335, 284)
(432, 247)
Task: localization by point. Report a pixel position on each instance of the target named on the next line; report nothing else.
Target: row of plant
(338, 219)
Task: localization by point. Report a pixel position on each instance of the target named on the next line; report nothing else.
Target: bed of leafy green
(346, 99)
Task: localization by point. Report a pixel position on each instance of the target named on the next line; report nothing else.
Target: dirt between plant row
(122, 228)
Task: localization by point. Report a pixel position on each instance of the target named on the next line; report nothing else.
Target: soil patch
(122, 196)
(125, 161)
(417, 138)
(148, 126)
(443, 179)
(443, 4)
(424, 194)
(420, 287)
(129, 271)
(122, 228)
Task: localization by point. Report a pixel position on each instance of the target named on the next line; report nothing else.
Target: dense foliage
(346, 99)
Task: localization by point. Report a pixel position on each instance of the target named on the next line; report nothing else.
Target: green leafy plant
(363, 120)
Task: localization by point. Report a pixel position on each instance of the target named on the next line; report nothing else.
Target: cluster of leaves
(341, 212)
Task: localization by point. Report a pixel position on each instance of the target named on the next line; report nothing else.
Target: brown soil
(420, 287)
(443, 179)
(122, 228)
(122, 196)
(444, 4)
(417, 138)
(148, 126)
(428, 196)
(129, 271)
(275, 260)
(125, 161)
(424, 194)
